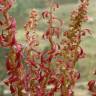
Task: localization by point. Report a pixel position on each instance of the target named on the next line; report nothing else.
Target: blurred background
(86, 66)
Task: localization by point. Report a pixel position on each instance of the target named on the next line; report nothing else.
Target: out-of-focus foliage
(66, 1)
(20, 9)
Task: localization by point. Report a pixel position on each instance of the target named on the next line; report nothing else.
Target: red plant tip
(92, 85)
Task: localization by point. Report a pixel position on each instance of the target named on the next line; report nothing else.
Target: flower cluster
(32, 70)
(71, 49)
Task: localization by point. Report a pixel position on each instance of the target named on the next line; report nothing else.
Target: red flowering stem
(72, 50)
(14, 58)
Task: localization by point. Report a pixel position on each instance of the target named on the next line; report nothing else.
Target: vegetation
(20, 58)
